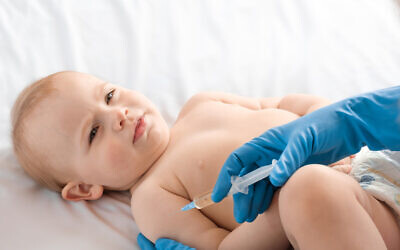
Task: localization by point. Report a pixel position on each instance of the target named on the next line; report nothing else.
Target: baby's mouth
(139, 129)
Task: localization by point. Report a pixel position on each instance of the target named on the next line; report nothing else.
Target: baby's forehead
(73, 98)
(62, 111)
(58, 113)
(76, 91)
(55, 121)
(51, 128)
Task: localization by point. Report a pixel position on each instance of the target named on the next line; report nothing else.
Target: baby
(79, 135)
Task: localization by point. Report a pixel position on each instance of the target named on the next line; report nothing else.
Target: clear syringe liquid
(239, 184)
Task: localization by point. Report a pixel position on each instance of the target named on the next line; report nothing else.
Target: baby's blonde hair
(34, 162)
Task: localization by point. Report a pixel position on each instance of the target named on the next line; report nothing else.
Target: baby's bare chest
(201, 142)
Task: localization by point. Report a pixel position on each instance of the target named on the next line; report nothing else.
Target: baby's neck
(148, 173)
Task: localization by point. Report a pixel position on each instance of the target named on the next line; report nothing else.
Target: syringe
(239, 184)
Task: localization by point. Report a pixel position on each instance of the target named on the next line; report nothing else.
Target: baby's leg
(265, 232)
(321, 208)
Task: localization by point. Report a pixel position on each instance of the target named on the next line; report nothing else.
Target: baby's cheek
(117, 156)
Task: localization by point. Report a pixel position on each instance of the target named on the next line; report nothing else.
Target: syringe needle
(188, 206)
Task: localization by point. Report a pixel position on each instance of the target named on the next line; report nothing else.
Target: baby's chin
(158, 139)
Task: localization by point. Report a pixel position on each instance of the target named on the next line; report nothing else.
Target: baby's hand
(343, 161)
(344, 168)
(344, 165)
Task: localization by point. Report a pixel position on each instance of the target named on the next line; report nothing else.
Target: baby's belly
(222, 214)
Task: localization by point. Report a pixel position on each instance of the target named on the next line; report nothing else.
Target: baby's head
(79, 135)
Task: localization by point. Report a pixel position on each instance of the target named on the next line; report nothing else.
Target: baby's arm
(302, 104)
(299, 104)
(158, 214)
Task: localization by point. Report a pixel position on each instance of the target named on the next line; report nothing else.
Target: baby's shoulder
(148, 204)
(142, 190)
(154, 203)
(158, 183)
(144, 196)
(194, 101)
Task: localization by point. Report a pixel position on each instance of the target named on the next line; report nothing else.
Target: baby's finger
(344, 168)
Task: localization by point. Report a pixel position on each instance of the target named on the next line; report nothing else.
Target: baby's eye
(109, 96)
(92, 134)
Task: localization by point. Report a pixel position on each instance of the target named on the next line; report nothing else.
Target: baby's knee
(306, 181)
(315, 185)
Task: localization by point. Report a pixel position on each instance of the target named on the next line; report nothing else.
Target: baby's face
(101, 133)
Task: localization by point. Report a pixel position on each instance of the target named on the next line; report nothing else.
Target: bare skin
(199, 143)
(333, 207)
(164, 168)
(205, 140)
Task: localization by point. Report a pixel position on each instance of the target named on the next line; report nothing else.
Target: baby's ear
(74, 191)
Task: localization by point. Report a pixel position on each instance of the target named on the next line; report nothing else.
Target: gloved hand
(162, 243)
(323, 136)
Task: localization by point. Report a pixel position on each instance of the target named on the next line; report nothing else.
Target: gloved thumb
(144, 243)
(223, 184)
(168, 244)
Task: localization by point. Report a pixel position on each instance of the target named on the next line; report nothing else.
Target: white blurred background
(170, 50)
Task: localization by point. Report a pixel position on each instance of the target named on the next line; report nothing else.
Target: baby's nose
(121, 116)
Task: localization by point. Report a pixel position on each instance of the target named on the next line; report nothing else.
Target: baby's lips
(135, 124)
(139, 128)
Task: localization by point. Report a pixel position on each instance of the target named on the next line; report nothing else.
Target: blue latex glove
(323, 136)
(162, 243)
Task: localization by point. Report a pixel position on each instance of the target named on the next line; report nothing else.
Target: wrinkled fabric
(378, 173)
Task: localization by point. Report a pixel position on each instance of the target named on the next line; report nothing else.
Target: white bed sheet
(170, 50)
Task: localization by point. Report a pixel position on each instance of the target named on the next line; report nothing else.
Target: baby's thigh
(382, 215)
(265, 232)
(386, 221)
(317, 184)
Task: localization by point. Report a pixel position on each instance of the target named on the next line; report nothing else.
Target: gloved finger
(249, 152)
(223, 184)
(269, 194)
(247, 169)
(144, 243)
(270, 146)
(242, 205)
(168, 244)
(258, 195)
(232, 167)
(293, 157)
(244, 156)
(258, 192)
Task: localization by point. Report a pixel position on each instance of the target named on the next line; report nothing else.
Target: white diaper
(378, 173)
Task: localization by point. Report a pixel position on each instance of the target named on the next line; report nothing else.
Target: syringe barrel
(253, 176)
(241, 185)
(204, 200)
